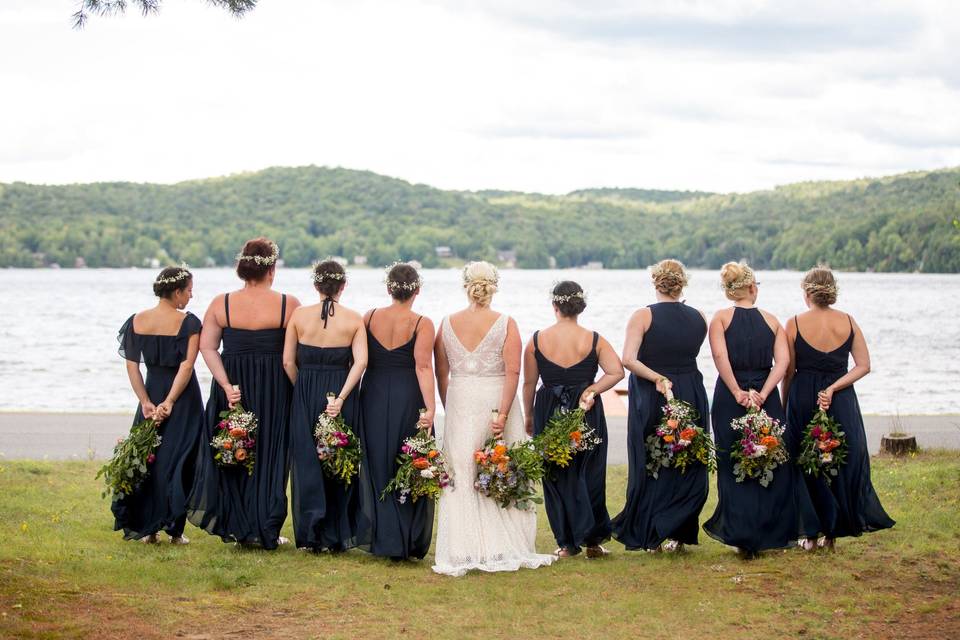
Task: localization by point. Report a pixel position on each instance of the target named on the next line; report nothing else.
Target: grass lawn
(65, 573)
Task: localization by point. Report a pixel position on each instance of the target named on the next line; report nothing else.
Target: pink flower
(222, 425)
(151, 458)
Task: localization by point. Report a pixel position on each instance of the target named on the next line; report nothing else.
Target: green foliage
(900, 223)
(131, 460)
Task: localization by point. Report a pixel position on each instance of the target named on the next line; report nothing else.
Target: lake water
(58, 348)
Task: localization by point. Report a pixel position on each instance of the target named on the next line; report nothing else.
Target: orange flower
(673, 423)
(433, 453)
(829, 445)
(238, 433)
(240, 454)
(765, 430)
(668, 438)
(688, 434)
(227, 444)
(575, 436)
(500, 449)
(503, 466)
(479, 456)
(421, 463)
(770, 442)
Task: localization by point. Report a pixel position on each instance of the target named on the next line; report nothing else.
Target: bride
(478, 370)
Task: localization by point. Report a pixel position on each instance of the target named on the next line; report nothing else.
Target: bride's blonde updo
(480, 281)
(736, 279)
(821, 286)
(669, 277)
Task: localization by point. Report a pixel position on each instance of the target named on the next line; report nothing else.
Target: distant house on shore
(596, 264)
(79, 263)
(359, 260)
(508, 258)
(443, 252)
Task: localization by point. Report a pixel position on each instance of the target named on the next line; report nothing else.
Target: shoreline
(36, 435)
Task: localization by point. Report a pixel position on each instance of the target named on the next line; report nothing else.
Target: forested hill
(898, 223)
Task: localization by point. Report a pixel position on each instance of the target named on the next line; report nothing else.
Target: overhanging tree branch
(88, 8)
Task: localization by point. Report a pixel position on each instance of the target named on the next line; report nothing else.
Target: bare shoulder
(426, 324)
(722, 315)
(292, 300)
(771, 319)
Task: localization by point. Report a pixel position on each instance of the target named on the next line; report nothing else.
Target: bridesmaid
(660, 350)
(818, 378)
(398, 383)
(242, 508)
(325, 352)
(576, 497)
(166, 340)
(751, 353)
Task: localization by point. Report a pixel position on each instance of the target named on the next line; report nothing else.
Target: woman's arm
(861, 367)
(781, 360)
(531, 374)
(441, 366)
(136, 381)
(636, 329)
(209, 348)
(182, 379)
(290, 340)
(612, 374)
(423, 359)
(512, 348)
(358, 347)
(718, 347)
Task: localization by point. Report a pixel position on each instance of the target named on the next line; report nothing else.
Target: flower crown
(183, 274)
(393, 285)
(668, 276)
(743, 281)
(569, 297)
(265, 260)
(329, 275)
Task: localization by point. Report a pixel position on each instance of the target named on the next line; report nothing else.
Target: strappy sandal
(179, 540)
(807, 544)
(563, 552)
(672, 546)
(150, 539)
(597, 551)
(826, 543)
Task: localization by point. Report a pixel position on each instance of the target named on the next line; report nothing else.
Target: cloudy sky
(534, 95)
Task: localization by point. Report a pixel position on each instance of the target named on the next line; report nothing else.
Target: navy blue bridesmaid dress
(160, 502)
(666, 507)
(576, 496)
(750, 516)
(848, 506)
(324, 509)
(390, 402)
(228, 502)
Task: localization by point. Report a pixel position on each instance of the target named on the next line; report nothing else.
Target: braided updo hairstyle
(569, 299)
(480, 280)
(821, 286)
(329, 277)
(171, 280)
(669, 277)
(736, 279)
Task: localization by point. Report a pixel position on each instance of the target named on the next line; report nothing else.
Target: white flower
(426, 473)
(759, 451)
(826, 457)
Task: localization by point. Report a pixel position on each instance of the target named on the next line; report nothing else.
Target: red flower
(151, 458)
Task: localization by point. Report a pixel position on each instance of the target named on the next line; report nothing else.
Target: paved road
(92, 436)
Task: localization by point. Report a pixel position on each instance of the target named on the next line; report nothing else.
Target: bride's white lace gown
(474, 532)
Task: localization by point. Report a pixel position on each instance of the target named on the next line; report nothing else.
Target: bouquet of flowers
(236, 439)
(421, 470)
(132, 457)
(566, 435)
(337, 446)
(507, 473)
(678, 441)
(759, 449)
(823, 447)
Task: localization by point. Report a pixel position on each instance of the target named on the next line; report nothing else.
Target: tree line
(898, 223)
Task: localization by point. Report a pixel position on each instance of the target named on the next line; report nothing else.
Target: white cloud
(472, 95)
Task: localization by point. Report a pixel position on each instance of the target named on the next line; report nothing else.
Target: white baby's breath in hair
(745, 280)
(569, 297)
(322, 277)
(393, 285)
(183, 274)
(264, 260)
(813, 288)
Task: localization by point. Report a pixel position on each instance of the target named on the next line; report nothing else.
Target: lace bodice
(486, 360)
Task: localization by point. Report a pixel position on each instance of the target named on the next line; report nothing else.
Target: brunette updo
(256, 259)
(403, 281)
(171, 280)
(569, 299)
(480, 280)
(736, 279)
(669, 277)
(821, 286)
(329, 277)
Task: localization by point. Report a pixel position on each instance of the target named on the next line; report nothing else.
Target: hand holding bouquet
(337, 446)
(421, 468)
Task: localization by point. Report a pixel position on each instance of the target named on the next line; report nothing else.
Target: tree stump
(898, 445)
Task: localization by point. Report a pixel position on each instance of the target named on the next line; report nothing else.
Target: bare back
(392, 326)
(471, 326)
(158, 321)
(565, 344)
(253, 308)
(823, 329)
(338, 330)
